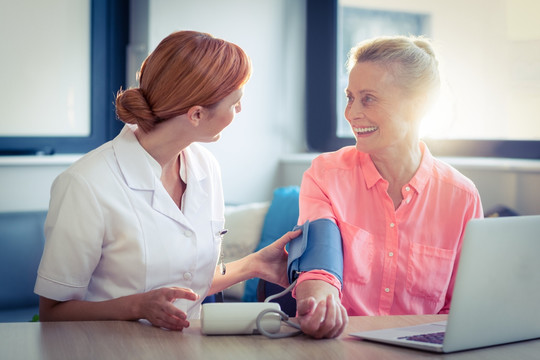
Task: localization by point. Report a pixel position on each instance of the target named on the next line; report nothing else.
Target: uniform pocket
(357, 253)
(429, 271)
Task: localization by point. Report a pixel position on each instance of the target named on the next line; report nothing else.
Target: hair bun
(132, 108)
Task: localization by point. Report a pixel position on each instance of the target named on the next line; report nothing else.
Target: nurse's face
(221, 115)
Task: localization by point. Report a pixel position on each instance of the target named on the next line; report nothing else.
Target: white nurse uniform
(113, 230)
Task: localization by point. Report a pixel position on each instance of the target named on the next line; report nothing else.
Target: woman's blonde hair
(187, 68)
(411, 59)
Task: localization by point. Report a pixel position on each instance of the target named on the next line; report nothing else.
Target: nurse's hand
(157, 306)
(271, 262)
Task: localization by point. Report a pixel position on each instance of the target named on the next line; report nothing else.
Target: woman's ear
(195, 115)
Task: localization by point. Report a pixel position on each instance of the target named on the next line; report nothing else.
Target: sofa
(21, 246)
(250, 227)
(254, 226)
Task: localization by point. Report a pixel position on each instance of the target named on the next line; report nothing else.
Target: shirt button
(407, 188)
(392, 225)
(408, 200)
(390, 254)
(187, 276)
(387, 290)
(188, 233)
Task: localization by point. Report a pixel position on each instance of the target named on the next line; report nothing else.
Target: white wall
(259, 150)
(271, 123)
(25, 181)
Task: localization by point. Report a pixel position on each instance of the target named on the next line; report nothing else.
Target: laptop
(496, 296)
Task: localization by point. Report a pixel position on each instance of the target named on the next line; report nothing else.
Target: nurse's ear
(195, 114)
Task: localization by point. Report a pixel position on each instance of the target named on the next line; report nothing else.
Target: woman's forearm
(236, 272)
(156, 306)
(123, 308)
(269, 263)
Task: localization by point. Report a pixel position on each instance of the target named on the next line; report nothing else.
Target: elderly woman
(400, 211)
(133, 228)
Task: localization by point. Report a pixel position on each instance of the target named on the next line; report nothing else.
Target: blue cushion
(21, 246)
(282, 216)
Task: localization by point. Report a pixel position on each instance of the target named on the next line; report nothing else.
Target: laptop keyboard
(433, 338)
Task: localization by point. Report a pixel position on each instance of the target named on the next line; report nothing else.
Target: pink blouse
(400, 261)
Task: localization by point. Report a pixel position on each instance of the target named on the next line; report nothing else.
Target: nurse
(133, 228)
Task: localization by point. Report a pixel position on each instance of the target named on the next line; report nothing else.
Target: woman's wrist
(251, 266)
(129, 307)
(317, 289)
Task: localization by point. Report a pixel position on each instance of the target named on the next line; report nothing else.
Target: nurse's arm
(156, 306)
(269, 263)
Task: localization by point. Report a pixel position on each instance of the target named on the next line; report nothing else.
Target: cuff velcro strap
(317, 248)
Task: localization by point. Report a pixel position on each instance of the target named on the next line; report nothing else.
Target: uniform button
(392, 225)
(390, 254)
(387, 290)
(407, 188)
(187, 276)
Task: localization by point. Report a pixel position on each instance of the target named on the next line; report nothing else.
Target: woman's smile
(368, 130)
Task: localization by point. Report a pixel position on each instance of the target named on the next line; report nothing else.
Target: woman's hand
(157, 306)
(271, 262)
(319, 310)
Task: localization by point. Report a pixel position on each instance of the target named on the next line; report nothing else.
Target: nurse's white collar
(137, 168)
(141, 175)
(157, 169)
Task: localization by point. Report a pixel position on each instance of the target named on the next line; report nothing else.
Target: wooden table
(134, 340)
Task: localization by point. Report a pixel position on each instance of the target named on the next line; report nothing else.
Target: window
(69, 61)
(490, 73)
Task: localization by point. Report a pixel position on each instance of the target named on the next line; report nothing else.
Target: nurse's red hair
(187, 68)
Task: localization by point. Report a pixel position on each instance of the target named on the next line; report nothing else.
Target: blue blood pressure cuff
(317, 248)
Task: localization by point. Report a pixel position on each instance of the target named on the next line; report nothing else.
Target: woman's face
(221, 115)
(378, 110)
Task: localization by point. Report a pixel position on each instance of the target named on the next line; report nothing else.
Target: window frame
(321, 81)
(109, 38)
